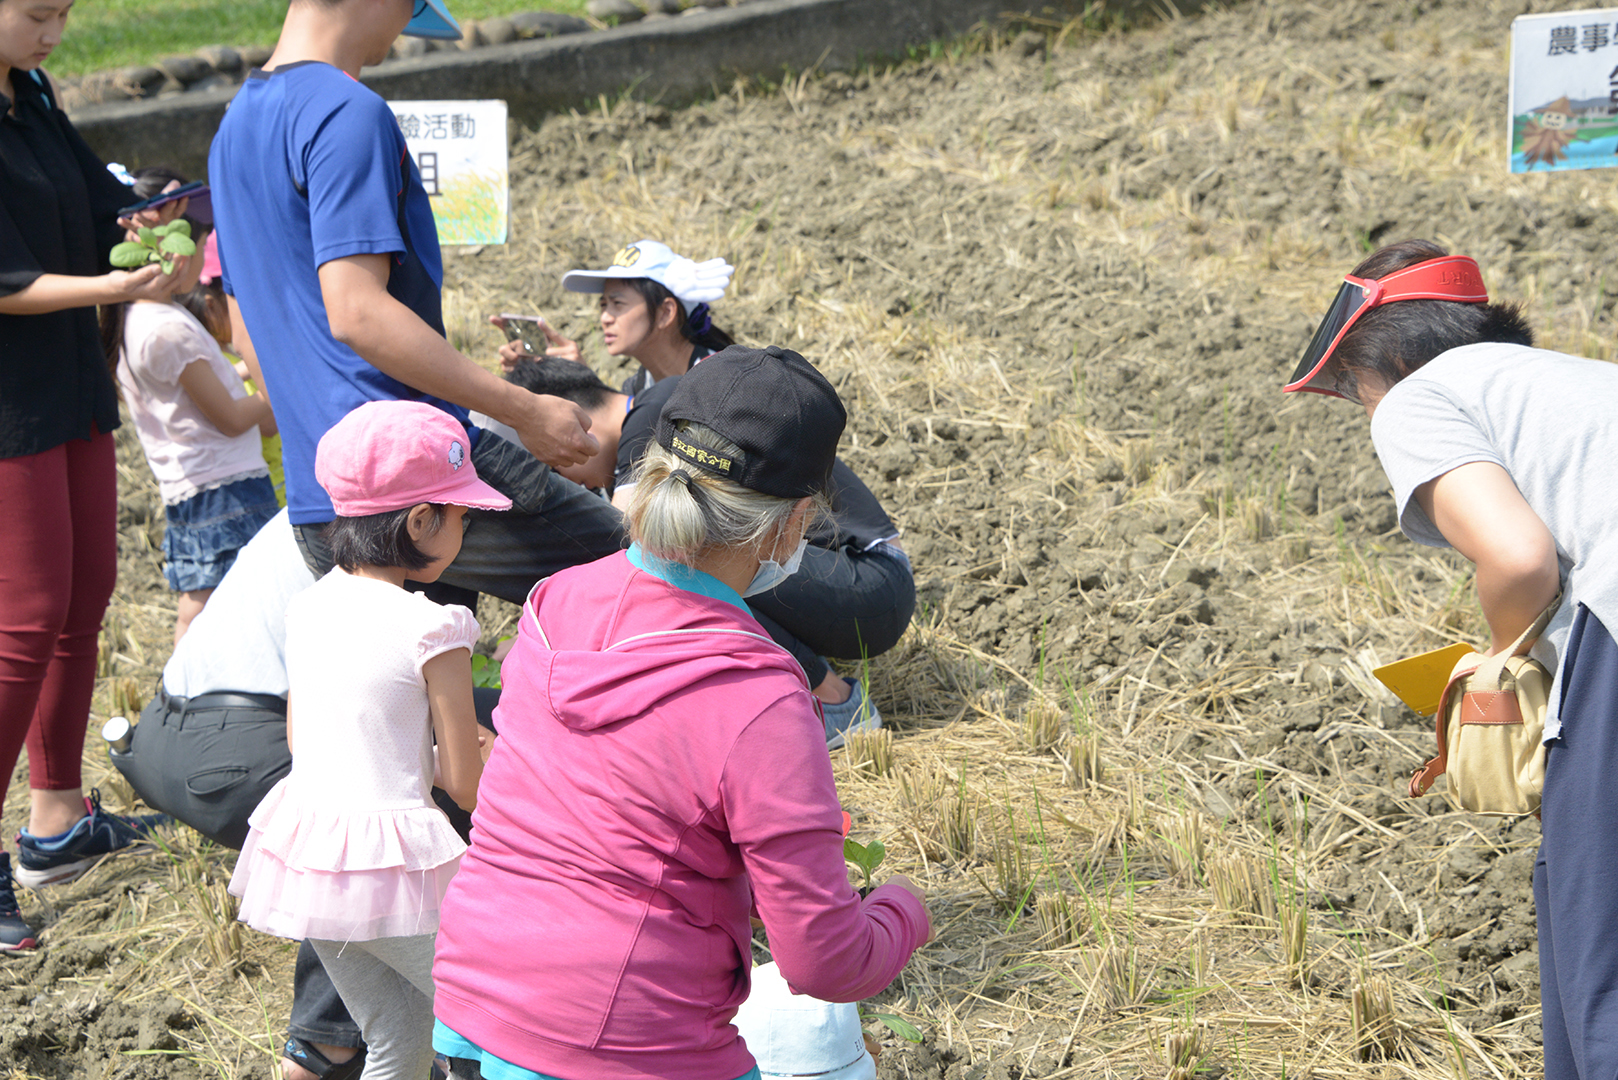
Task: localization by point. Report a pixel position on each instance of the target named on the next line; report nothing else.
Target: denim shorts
(205, 531)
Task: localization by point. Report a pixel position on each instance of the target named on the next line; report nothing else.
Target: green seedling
(865, 856)
(485, 672)
(898, 1025)
(165, 244)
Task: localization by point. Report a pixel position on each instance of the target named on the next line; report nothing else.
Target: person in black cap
(661, 771)
(854, 594)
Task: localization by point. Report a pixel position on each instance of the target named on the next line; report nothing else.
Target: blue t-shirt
(310, 166)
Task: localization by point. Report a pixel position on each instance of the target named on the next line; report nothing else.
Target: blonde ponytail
(681, 513)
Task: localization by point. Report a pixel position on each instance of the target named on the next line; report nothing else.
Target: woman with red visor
(1506, 453)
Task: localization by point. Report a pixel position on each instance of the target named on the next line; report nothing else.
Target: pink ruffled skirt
(323, 873)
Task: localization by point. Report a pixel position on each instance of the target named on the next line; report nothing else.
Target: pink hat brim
(463, 491)
(475, 493)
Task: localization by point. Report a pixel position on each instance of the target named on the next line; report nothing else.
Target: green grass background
(113, 33)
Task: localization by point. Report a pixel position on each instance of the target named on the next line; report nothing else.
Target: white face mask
(771, 573)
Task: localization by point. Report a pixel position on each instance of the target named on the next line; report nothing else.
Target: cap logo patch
(627, 257)
(457, 455)
(705, 458)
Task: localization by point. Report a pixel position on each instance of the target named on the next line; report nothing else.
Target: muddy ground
(1059, 274)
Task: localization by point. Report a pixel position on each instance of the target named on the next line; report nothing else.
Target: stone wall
(673, 60)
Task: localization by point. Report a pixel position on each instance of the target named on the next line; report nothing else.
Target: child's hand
(485, 747)
(161, 215)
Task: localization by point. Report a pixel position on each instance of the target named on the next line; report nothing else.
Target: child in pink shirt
(349, 851)
(198, 425)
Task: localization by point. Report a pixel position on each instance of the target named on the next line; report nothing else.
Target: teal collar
(684, 577)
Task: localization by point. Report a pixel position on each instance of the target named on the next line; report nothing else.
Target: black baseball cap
(773, 404)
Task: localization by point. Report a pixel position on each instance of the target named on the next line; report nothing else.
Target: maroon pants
(58, 561)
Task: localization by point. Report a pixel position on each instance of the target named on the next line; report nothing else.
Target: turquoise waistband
(448, 1042)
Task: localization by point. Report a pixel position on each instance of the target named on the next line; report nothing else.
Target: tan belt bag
(1491, 727)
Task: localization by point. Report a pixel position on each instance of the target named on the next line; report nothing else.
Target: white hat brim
(593, 281)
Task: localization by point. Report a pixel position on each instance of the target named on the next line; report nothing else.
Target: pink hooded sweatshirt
(661, 768)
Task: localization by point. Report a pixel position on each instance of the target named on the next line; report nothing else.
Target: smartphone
(196, 189)
(526, 330)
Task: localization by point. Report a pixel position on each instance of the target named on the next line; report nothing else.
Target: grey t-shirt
(1551, 421)
(238, 642)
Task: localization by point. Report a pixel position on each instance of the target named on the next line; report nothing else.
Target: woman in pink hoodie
(662, 770)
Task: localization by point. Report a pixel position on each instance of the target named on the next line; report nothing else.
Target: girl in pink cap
(348, 851)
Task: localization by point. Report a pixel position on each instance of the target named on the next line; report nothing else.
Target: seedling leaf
(148, 235)
(865, 856)
(485, 672)
(900, 1027)
(129, 255)
(179, 226)
(174, 244)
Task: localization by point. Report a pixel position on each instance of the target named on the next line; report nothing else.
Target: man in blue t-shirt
(330, 257)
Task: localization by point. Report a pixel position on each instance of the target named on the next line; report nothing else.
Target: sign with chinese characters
(460, 151)
(1563, 102)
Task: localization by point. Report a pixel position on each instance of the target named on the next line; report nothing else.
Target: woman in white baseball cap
(654, 308)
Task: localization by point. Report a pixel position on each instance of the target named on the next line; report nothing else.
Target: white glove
(697, 283)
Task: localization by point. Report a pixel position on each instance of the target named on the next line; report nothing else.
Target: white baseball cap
(433, 20)
(800, 1036)
(691, 283)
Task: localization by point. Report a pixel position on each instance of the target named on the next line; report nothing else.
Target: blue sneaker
(855, 714)
(15, 935)
(54, 860)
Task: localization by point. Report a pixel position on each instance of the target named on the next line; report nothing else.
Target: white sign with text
(460, 150)
(1563, 102)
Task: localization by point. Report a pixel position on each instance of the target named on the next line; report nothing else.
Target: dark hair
(707, 335)
(196, 302)
(149, 181)
(379, 540)
(560, 378)
(1396, 339)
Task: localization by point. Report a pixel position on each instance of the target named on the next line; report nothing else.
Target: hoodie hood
(600, 648)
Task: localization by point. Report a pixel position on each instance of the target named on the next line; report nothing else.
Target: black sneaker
(303, 1053)
(15, 935)
(98, 834)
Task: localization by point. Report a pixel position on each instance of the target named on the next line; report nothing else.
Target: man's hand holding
(557, 432)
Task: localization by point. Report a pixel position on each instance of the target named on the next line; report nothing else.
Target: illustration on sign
(460, 150)
(1563, 101)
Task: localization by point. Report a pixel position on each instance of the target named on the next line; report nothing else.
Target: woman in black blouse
(58, 494)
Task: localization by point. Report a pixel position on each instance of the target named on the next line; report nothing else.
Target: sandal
(304, 1054)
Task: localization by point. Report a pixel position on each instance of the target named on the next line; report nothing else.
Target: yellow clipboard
(1419, 680)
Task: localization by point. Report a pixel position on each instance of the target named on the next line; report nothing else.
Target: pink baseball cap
(392, 455)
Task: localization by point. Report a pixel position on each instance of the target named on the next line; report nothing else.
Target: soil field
(1059, 274)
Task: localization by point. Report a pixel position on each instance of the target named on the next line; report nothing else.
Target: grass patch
(115, 33)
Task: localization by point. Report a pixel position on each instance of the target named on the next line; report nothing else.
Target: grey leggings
(387, 985)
